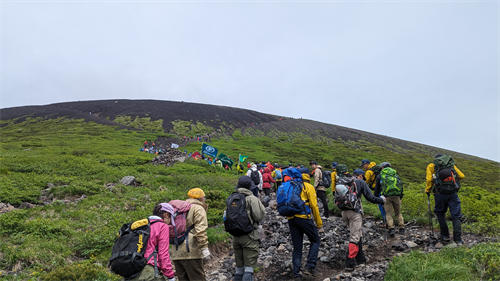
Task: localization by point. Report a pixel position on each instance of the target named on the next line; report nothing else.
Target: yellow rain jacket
(370, 175)
(308, 194)
(334, 179)
(430, 180)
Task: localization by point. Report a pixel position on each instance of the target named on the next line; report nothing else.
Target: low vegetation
(73, 240)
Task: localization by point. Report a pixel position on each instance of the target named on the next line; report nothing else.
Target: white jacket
(249, 173)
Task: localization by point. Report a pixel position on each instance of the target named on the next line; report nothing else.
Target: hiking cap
(196, 193)
(169, 209)
(385, 164)
(358, 172)
(313, 162)
(334, 164)
(246, 182)
(364, 161)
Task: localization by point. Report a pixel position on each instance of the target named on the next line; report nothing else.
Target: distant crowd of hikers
(177, 231)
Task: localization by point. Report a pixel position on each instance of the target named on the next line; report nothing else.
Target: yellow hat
(196, 193)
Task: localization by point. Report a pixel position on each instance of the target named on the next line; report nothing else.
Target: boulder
(128, 180)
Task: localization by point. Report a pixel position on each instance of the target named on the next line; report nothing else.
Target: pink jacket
(159, 237)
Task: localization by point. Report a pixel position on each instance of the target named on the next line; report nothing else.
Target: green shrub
(81, 272)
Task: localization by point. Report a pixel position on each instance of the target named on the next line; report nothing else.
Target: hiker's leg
(389, 211)
(194, 269)
(250, 251)
(312, 234)
(239, 258)
(180, 271)
(297, 239)
(397, 210)
(456, 215)
(267, 191)
(440, 208)
(360, 257)
(322, 196)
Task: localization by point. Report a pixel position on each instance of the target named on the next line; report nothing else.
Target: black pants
(299, 227)
(322, 196)
(267, 191)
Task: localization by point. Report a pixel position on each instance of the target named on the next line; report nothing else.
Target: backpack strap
(154, 254)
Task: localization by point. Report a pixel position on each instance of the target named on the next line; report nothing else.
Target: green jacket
(255, 211)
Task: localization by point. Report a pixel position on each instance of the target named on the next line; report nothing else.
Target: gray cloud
(420, 71)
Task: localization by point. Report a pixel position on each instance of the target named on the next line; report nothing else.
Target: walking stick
(386, 246)
(430, 218)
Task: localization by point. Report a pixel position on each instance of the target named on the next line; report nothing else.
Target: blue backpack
(288, 196)
(278, 174)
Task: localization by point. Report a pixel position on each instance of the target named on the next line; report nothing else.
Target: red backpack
(179, 233)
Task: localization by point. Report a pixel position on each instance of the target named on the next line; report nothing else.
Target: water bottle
(224, 216)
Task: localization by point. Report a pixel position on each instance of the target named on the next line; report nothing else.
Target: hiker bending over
(349, 187)
(244, 212)
(158, 239)
(443, 177)
(390, 186)
(189, 264)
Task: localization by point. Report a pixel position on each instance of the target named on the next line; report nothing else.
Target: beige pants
(393, 205)
(354, 220)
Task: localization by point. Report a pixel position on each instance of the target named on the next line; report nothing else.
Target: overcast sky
(423, 71)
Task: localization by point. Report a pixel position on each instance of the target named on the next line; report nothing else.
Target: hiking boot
(402, 231)
(312, 272)
(445, 238)
(459, 243)
(297, 277)
(238, 277)
(350, 264)
(392, 232)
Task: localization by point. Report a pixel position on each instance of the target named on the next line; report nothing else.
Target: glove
(321, 230)
(171, 279)
(206, 254)
(382, 197)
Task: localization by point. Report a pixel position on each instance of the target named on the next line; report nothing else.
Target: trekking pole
(386, 246)
(430, 217)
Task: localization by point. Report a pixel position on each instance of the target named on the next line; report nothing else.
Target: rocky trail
(275, 254)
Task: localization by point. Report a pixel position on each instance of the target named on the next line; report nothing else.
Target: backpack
(376, 169)
(237, 222)
(127, 255)
(341, 170)
(254, 175)
(346, 194)
(179, 232)
(390, 183)
(326, 178)
(289, 201)
(446, 177)
(278, 174)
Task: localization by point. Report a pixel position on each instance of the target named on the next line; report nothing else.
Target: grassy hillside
(85, 158)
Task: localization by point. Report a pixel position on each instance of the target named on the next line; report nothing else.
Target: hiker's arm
(258, 210)
(313, 204)
(368, 193)
(428, 177)
(164, 262)
(200, 226)
(460, 175)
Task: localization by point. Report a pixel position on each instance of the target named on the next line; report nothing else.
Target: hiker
(371, 172)
(352, 211)
(276, 174)
(317, 173)
(443, 178)
(334, 175)
(390, 186)
(189, 264)
(256, 177)
(267, 181)
(301, 223)
(218, 163)
(246, 237)
(240, 169)
(145, 144)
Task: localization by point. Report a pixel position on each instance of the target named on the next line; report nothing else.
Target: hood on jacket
(244, 191)
(254, 167)
(371, 165)
(305, 177)
(246, 182)
(267, 170)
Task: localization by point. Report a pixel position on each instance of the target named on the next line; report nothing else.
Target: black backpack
(446, 177)
(254, 175)
(127, 255)
(326, 178)
(237, 222)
